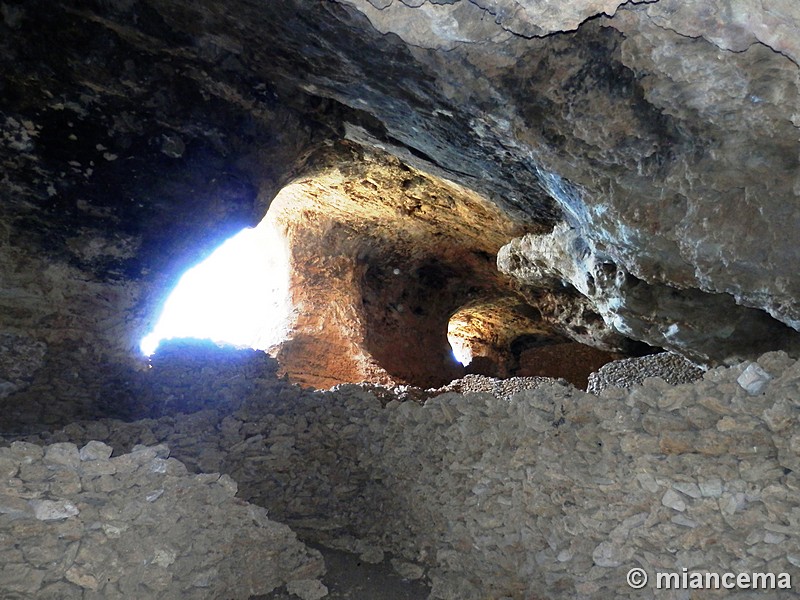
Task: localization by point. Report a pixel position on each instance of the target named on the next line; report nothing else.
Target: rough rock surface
(706, 327)
(183, 376)
(79, 523)
(571, 361)
(554, 492)
(382, 257)
(135, 136)
(628, 372)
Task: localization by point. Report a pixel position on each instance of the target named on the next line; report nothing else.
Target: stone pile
(551, 493)
(471, 383)
(501, 388)
(81, 524)
(627, 372)
(191, 375)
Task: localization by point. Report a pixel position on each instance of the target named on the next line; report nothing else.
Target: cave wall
(382, 256)
(645, 123)
(137, 135)
(124, 163)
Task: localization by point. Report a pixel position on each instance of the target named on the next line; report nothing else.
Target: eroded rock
(704, 327)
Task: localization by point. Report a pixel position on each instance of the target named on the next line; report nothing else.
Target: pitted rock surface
(628, 372)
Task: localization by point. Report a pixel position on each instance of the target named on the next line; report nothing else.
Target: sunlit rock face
(382, 256)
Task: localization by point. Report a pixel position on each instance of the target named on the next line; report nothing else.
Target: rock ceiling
(639, 164)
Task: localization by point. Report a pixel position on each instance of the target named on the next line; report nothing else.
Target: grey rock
(407, 570)
(625, 373)
(688, 488)
(176, 529)
(95, 450)
(753, 379)
(8, 467)
(608, 554)
(671, 499)
(15, 507)
(49, 510)
(468, 489)
(62, 454)
(372, 555)
(711, 488)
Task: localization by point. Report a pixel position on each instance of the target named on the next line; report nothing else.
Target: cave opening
(238, 295)
(365, 270)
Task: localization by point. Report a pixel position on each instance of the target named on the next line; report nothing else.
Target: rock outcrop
(705, 327)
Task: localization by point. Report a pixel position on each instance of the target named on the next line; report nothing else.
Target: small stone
(154, 495)
(648, 482)
(22, 579)
(95, 450)
(773, 538)
(407, 570)
(172, 145)
(754, 379)
(7, 388)
(754, 537)
(26, 452)
(81, 578)
(229, 484)
(307, 589)
(204, 579)
(372, 555)
(14, 507)
(774, 527)
(206, 478)
(159, 465)
(688, 488)
(711, 488)
(608, 554)
(684, 521)
(65, 483)
(51, 510)
(114, 531)
(672, 499)
(8, 468)
(164, 557)
(94, 468)
(730, 503)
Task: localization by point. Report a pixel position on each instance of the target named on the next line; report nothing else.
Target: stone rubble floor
(350, 578)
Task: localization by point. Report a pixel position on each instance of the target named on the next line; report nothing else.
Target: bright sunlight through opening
(239, 295)
(461, 350)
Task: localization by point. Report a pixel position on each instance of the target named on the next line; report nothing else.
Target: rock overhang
(667, 141)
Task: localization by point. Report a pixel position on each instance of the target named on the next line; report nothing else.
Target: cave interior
(530, 304)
